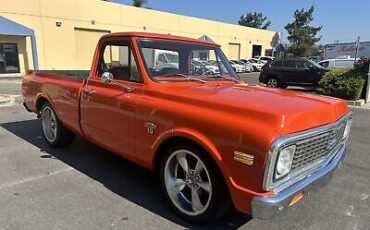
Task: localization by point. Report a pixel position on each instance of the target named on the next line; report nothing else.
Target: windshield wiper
(188, 78)
(226, 78)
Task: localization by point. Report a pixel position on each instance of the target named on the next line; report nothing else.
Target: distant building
(63, 34)
(346, 50)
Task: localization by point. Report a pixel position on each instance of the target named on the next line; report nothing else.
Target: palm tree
(138, 3)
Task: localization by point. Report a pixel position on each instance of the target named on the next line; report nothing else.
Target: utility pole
(367, 97)
(357, 47)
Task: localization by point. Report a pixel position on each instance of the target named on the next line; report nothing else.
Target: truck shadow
(120, 176)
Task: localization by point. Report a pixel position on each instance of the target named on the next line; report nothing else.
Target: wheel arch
(268, 77)
(185, 136)
(40, 101)
(210, 151)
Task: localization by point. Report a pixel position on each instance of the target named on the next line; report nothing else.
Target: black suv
(293, 71)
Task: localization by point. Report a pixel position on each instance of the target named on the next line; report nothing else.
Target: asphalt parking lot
(86, 187)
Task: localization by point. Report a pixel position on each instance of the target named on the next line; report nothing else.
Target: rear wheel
(192, 184)
(53, 130)
(273, 82)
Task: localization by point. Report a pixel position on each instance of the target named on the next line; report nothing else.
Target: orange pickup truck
(176, 106)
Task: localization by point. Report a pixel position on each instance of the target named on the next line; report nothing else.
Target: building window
(9, 62)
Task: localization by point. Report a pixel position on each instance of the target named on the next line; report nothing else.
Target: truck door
(108, 110)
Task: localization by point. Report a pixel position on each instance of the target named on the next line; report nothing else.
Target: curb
(359, 102)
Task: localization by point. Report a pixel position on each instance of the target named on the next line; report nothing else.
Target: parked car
(248, 67)
(330, 64)
(237, 67)
(257, 65)
(211, 67)
(198, 68)
(165, 59)
(214, 141)
(265, 59)
(293, 71)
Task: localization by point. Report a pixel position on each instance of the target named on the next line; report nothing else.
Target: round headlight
(284, 162)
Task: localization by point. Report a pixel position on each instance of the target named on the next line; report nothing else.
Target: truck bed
(61, 87)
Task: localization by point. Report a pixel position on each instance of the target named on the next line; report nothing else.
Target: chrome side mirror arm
(107, 78)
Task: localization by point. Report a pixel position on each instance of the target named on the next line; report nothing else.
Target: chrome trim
(281, 142)
(244, 158)
(269, 207)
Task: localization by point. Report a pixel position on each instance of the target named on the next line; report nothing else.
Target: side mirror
(107, 77)
(311, 67)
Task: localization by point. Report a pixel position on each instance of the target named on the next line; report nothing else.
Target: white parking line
(29, 179)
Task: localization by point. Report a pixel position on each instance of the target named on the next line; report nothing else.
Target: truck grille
(318, 147)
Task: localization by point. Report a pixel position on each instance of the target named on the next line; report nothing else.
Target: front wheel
(192, 185)
(53, 130)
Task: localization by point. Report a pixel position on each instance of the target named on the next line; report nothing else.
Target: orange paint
(221, 116)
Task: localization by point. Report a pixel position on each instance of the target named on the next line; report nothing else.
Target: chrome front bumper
(269, 207)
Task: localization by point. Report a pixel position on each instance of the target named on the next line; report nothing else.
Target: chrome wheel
(188, 182)
(49, 124)
(273, 83)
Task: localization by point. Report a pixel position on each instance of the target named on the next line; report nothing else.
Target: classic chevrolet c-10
(176, 106)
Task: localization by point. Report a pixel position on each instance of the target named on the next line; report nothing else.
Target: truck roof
(159, 36)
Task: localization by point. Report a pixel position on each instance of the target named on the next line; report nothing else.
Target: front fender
(193, 135)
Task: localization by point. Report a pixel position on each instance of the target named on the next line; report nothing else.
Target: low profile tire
(273, 82)
(53, 130)
(192, 184)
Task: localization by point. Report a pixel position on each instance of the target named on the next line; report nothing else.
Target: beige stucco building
(51, 34)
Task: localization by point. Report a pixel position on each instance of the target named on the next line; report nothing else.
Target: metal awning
(206, 38)
(9, 27)
(279, 48)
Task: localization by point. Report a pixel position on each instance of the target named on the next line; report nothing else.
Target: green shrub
(342, 83)
(362, 65)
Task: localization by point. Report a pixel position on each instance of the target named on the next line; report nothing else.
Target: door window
(120, 62)
(302, 64)
(289, 64)
(277, 64)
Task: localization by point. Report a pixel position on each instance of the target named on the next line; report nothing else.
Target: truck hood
(287, 111)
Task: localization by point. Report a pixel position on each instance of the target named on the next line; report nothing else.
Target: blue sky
(342, 20)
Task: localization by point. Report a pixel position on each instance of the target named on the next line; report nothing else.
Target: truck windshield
(171, 61)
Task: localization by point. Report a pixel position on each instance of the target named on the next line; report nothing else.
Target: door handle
(128, 89)
(88, 91)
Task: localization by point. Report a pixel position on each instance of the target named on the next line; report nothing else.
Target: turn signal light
(297, 197)
(244, 158)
